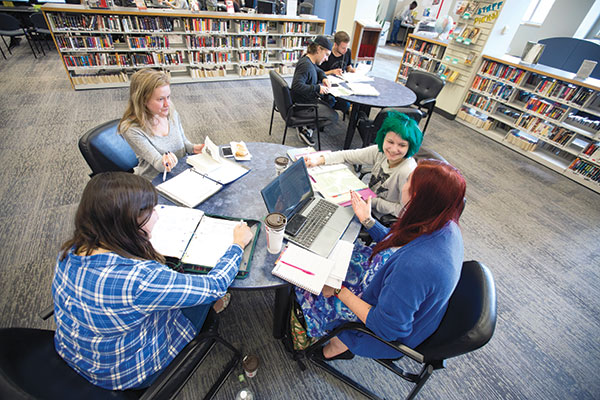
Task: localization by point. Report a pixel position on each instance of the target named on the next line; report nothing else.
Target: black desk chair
(10, 26)
(297, 115)
(30, 368)
(468, 324)
(40, 29)
(426, 86)
(105, 150)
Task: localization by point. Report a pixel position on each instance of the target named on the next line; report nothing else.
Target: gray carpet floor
(536, 230)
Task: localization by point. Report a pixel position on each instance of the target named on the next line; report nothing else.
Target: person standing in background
(403, 19)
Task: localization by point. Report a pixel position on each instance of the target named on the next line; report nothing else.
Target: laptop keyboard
(316, 220)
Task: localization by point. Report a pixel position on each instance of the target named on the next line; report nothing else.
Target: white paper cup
(275, 228)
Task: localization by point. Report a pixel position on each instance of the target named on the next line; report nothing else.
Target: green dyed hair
(403, 126)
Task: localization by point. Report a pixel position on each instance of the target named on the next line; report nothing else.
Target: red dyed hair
(437, 192)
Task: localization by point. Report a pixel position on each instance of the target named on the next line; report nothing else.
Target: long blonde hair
(143, 83)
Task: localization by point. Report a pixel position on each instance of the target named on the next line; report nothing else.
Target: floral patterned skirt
(324, 314)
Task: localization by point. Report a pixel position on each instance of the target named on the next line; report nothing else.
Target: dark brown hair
(341, 37)
(113, 208)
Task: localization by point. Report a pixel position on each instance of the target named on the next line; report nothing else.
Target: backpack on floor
(296, 339)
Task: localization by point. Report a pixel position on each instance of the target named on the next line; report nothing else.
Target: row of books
(296, 27)
(586, 169)
(586, 122)
(146, 42)
(255, 70)
(546, 108)
(503, 71)
(124, 60)
(533, 124)
(64, 21)
(194, 42)
(479, 101)
(492, 87)
(197, 57)
(207, 72)
(564, 91)
(290, 41)
(94, 79)
(250, 41)
(252, 56)
(205, 25)
(85, 42)
(134, 23)
(417, 61)
(592, 150)
(430, 49)
(561, 136)
(481, 122)
(521, 140)
(291, 56)
(253, 26)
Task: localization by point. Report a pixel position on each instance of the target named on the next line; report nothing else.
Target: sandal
(221, 304)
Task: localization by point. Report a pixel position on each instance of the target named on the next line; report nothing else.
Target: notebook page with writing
(215, 167)
(189, 188)
(212, 238)
(303, 268)
(174, 228)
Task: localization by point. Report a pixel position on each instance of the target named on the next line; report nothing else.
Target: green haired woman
(391, 158)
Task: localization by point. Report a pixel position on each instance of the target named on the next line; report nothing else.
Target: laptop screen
(288, 190)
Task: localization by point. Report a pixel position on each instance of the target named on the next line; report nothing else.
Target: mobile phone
(227, 152)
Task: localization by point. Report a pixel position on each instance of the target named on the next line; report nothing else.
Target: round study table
(242, 199)
(391, 94)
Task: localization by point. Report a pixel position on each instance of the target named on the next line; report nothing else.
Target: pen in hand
(165, 171)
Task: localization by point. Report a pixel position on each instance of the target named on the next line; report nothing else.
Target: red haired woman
(400, 286)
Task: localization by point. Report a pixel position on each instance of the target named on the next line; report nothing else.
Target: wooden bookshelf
(421, 53)
(541, 112)
(102, 48)
(365, 38)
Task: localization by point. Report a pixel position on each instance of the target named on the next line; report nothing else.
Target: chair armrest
(360, 327)
(303, 105)
(388, 219)
(427, 103)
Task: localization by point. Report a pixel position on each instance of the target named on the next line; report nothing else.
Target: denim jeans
(395, 30)
(196, 315)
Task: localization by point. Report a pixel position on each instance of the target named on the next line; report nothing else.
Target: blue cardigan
(410, 292)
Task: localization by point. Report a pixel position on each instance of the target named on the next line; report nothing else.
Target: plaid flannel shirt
(118, 320)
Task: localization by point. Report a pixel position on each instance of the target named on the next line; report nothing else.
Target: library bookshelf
(365, 37)
(102, 48)
(541, 112)
(421, 53)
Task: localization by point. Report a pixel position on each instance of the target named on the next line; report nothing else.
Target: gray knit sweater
(150, 149)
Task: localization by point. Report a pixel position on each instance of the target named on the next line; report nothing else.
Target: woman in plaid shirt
(121, 314)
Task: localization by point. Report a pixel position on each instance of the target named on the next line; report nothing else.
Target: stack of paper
(335, 182)
(363, 89)
(341, 256)
(189, 188)
(303, 268)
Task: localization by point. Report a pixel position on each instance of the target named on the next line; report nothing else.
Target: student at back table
(310, 82)
(339, 61)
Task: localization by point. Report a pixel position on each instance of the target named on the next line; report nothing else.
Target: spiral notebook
(303, 268)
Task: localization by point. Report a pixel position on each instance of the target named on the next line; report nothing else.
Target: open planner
(198, 240)
(209, 173)
(310, 271)
(335, 182)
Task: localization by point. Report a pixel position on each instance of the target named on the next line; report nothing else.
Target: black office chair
(30, 368)
(305, 8)
(105, 150)
(297, 115)
(40, 29)
(468, 324)
(426, 86)
(10, 26)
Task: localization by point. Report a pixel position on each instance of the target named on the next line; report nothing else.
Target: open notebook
(198, 240)
(310, 271)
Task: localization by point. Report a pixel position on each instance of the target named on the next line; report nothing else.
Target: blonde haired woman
(151, 125)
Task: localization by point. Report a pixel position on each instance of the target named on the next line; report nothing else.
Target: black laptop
(313, 223)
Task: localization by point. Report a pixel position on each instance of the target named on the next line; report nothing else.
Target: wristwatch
(368, 222)
(337, 291)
